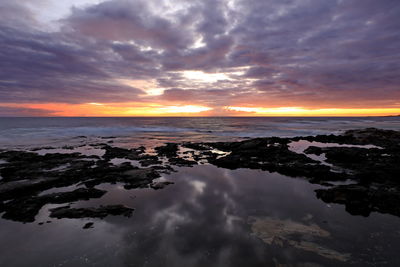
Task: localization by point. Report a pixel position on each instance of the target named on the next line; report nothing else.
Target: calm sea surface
(36, 131)
(210, 216)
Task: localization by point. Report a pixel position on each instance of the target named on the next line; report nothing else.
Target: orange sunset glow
(154, 109)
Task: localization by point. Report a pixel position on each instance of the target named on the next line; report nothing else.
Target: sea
(210, 216)
(15, 132)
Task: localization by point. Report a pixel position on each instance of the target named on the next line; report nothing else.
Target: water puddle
(209, 217)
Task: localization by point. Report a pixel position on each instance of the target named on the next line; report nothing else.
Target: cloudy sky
(199, 57)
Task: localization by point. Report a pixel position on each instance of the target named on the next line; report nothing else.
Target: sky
(199, 57)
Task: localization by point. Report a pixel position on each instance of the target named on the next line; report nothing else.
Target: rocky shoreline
(368, 158)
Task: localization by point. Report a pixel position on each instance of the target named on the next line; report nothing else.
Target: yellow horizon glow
(328, 112)
(94, 109)
(185, 109)
(141, 109)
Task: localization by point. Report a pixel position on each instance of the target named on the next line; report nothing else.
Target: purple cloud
(313, 52)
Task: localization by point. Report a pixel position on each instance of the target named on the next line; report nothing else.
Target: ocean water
(47, 131)
(210, 216)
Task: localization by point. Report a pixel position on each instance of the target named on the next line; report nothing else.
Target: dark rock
(117, 152)
(100, 212)
(313, 150)
(182, 162)
(363, 199)
(168, 150)
(149, 160)
(132, 177)
(88, 225)
(25, 165)
(42, 148)
(196, 146)
(378, 137)
(160, 185)
(26, 174)
(372, 164)
(25, 209)
(164, 169)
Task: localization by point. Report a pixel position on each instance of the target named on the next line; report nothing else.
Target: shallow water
(206, 219)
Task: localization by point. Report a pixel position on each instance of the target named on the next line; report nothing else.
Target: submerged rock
(287, 233)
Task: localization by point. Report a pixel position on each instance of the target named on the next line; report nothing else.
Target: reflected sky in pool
(204, 219)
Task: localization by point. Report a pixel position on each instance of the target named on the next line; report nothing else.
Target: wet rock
(272, 154)
(100, 212)
(164, 169)
(132, 177)
(160, 185)
(19, 188)
(196, 146)
(23, 165)
(117, 152)
(276, 158)
(182, 162)
(363, 199)
(150, 160)
(378, 137)
(42, 148)
(313, 150)
(168, 150)
(25, 209)
(26, 174)
(88, 225)
(206, 155)
(108, 137)
(372, 165)
(137, 178)
(99, 145)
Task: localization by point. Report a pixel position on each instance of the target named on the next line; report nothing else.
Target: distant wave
(87, 131)
(18, 131)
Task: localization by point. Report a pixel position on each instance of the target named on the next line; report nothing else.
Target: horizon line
(289, 116)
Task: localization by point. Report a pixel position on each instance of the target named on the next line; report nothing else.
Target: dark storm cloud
(130, 20)
(332, 49)
(313, 51)
(42, 67)
(15, 111)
